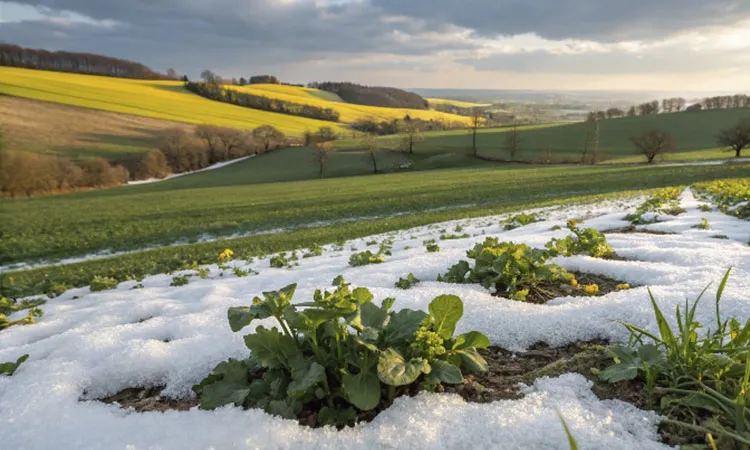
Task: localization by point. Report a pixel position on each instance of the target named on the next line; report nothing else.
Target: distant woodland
(373, 96)
(85, 63)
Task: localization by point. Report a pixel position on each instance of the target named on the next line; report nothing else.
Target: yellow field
(348, 112)
(456, 103)
(157, 99)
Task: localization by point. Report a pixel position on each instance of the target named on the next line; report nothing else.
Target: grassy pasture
(349, 112)
(62, 130)
(694, 133)
(156, 99)
(133, 217)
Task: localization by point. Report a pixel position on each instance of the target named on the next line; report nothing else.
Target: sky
(667, 45)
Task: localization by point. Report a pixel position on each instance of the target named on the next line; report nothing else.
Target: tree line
(395, 126)
(214, 91)
(26, 173)
(453, 109)
(85, 63)
(670, 105)
(372, 96)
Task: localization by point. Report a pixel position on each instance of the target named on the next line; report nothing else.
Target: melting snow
(100, 343)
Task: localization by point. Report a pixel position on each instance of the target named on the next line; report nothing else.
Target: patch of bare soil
(633, 229)
(546, 291)
(149, 399)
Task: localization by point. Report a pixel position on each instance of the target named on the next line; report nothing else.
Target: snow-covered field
(89, 345)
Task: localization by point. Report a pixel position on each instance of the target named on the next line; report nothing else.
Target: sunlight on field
(157, 99)
(349, 112)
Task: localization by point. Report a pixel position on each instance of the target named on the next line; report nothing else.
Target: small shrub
(315, 250)
(241, 273)
(102, 284)
(519, 220)
(703, 224)
(408, 282)
(340, 355)
(705, 208)
(514, 269)
(588, 241)
(433, 248)
(279, 261)
(365, 258)
(449, 237)
(180, 281)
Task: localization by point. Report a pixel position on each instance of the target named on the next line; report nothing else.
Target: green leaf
(619, 372)
(305, 376)
(445, 372)
(472, 339)
(650, 354)
(472, 361)
(402, 326)
(446, 311)
(9, 368)
(394, 370)
(362, 390)
(271, 348)
(336, 416)
(362, 296)
(372, 316)
(241, 316)
(388, 303)
(288, 408)
(227, 384)
(664, 329)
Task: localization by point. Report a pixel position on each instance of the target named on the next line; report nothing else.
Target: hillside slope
(158, 99)
(694, 134)
(349, 112)
(63, 130)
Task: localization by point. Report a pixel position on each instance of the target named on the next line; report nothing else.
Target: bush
(152, 165)
(340, 355)
(102, 284)
(516, 270)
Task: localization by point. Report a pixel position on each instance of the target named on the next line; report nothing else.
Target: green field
(157, 99)
(134, 217)
(694, 134)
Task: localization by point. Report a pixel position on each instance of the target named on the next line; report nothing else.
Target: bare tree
(413, 135)
(325, 134)
(736, 137)
(371, 148)
(172, 74)
(653, 143)
(267, 135)
(322, 154)
(209, 77)
(513, 142)
(476, 122)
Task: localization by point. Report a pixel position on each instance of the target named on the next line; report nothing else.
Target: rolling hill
(156, 99)
(349, 112)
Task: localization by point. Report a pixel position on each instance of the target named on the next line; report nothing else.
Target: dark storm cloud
(224, 32)
(599, 20)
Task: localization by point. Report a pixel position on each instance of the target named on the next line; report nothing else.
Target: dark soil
(634, 229)
(548, 290)
(148, 399)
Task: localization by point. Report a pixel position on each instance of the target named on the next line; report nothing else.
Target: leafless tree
(413, 135)
(653, 143)
(736, 137)
(513, 142)
(268, 135)
(322, 155)
(371, 146)
(476, 121)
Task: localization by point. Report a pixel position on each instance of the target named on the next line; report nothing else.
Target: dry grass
(62, 130)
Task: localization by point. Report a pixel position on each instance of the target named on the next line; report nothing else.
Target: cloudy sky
(503, 44)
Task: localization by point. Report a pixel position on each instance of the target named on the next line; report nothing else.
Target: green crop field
(694, 134)
(157, 99)
(133, 217)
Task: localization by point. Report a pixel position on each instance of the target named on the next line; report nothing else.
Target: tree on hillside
(152, 165)
(413, 135)
(268, 135)
(736, 137)
(172, 74)
(631, 111)
(653, 143)
(209, 77)
(513, 142)
(614, 112)
(476, 122)
(371, 148)
(243, 81)
(322, 155)
(325, 134)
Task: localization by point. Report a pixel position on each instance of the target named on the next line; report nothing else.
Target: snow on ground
(182, 174)
(89, 345)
